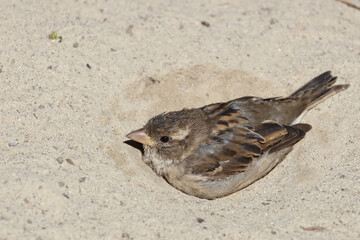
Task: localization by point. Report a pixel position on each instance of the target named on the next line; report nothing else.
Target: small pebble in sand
(76, 45)
(69, 161)
(126, 235)
(82, 179)
(13, 143)
(200, 220)
(60, 160)
(153, 80)
(206, 24)
(129, 30)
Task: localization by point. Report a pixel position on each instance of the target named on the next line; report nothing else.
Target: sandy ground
(65, 171)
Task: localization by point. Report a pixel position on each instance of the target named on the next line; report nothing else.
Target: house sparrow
(216, 150)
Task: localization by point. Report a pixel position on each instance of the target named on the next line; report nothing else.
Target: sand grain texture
(65, 171)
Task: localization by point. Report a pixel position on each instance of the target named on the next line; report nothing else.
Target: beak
(141, 137)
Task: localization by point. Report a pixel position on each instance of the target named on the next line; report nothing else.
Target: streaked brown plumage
(216, 150)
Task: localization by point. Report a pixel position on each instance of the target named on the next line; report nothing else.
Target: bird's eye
(164, 139)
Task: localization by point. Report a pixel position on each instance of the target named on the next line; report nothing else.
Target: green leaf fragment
(54, 36)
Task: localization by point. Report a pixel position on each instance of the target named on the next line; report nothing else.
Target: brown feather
(236, 150)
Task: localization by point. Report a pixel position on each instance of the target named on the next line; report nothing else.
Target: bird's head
(173, 135)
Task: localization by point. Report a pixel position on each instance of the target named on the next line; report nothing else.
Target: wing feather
(235, 145)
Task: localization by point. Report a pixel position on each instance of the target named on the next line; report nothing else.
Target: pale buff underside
(200, 186)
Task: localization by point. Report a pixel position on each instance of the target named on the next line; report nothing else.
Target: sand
(65, 171)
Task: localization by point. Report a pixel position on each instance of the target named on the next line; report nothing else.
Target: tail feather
(318, 89)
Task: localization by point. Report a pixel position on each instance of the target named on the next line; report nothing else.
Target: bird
(218, 149)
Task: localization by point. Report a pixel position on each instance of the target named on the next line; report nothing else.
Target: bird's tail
(318, 89)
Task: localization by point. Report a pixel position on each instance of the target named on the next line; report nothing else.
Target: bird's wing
(256, 109)
(234, 149)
